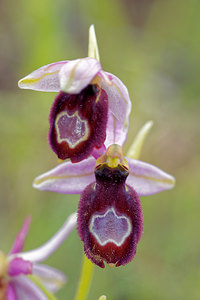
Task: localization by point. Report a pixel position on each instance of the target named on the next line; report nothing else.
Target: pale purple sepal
(11, 293)
(77, 74)
(44, 79)
(118, 98)
(147, 179)
(19, 240)
(67, 178)
(116, 132)
(43, 252)
(19, 266)
(27, 290)
(51, 278)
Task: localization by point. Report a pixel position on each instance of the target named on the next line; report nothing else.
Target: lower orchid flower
(110, 221)
(21, 277)
(88, 98)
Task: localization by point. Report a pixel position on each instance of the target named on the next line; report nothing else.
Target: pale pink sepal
(147, 179)
(10, 292)
(118, 98)
(44, 79)
(77, 74)
(19, 240)
(19, 266)
(51, 278)
(26, 289)
(67, 177)
(43, 252)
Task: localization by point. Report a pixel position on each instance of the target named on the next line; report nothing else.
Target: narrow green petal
(136, 147)
(93, 50)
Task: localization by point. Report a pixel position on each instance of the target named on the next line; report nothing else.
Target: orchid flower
(88, 102)
(21, 277)
(110, 221)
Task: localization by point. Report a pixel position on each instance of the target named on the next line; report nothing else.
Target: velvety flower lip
(17, 265)
(78, 123)
(110, 221)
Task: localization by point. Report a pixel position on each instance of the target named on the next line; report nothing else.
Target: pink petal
(51, 278)
(19, 241)
(147, 179)
(67, 178)
(27, 290)
(19, 266)
(116, 132)
(10, 292)
(118, 97)
(77, 74)
(41, 253)
(44, 79)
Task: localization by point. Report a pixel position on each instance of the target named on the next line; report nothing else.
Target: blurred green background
(154, 48)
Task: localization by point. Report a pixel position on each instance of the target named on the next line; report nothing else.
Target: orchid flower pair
(89, 125)
(21, 275)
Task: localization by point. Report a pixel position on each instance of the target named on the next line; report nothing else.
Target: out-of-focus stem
(85, 279)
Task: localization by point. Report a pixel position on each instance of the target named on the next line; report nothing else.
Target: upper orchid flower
(89, 100)
(110, 221)
(21, 277)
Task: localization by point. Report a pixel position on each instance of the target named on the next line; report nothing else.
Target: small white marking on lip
(76, 136)
(110, 227)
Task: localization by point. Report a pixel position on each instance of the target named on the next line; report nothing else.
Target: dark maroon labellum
(78, 123)
(110, 221)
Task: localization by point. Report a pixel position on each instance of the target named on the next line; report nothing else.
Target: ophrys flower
(89, 100)
(110, 221)
(21, 275)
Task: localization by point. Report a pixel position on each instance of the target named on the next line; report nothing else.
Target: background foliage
(153, 46)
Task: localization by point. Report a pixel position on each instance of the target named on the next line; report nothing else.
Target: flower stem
(85, 279)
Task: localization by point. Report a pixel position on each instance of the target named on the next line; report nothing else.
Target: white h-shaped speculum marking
(110, 228)
(78, 135)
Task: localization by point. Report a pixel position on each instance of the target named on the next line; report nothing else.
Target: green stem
(85, 279)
